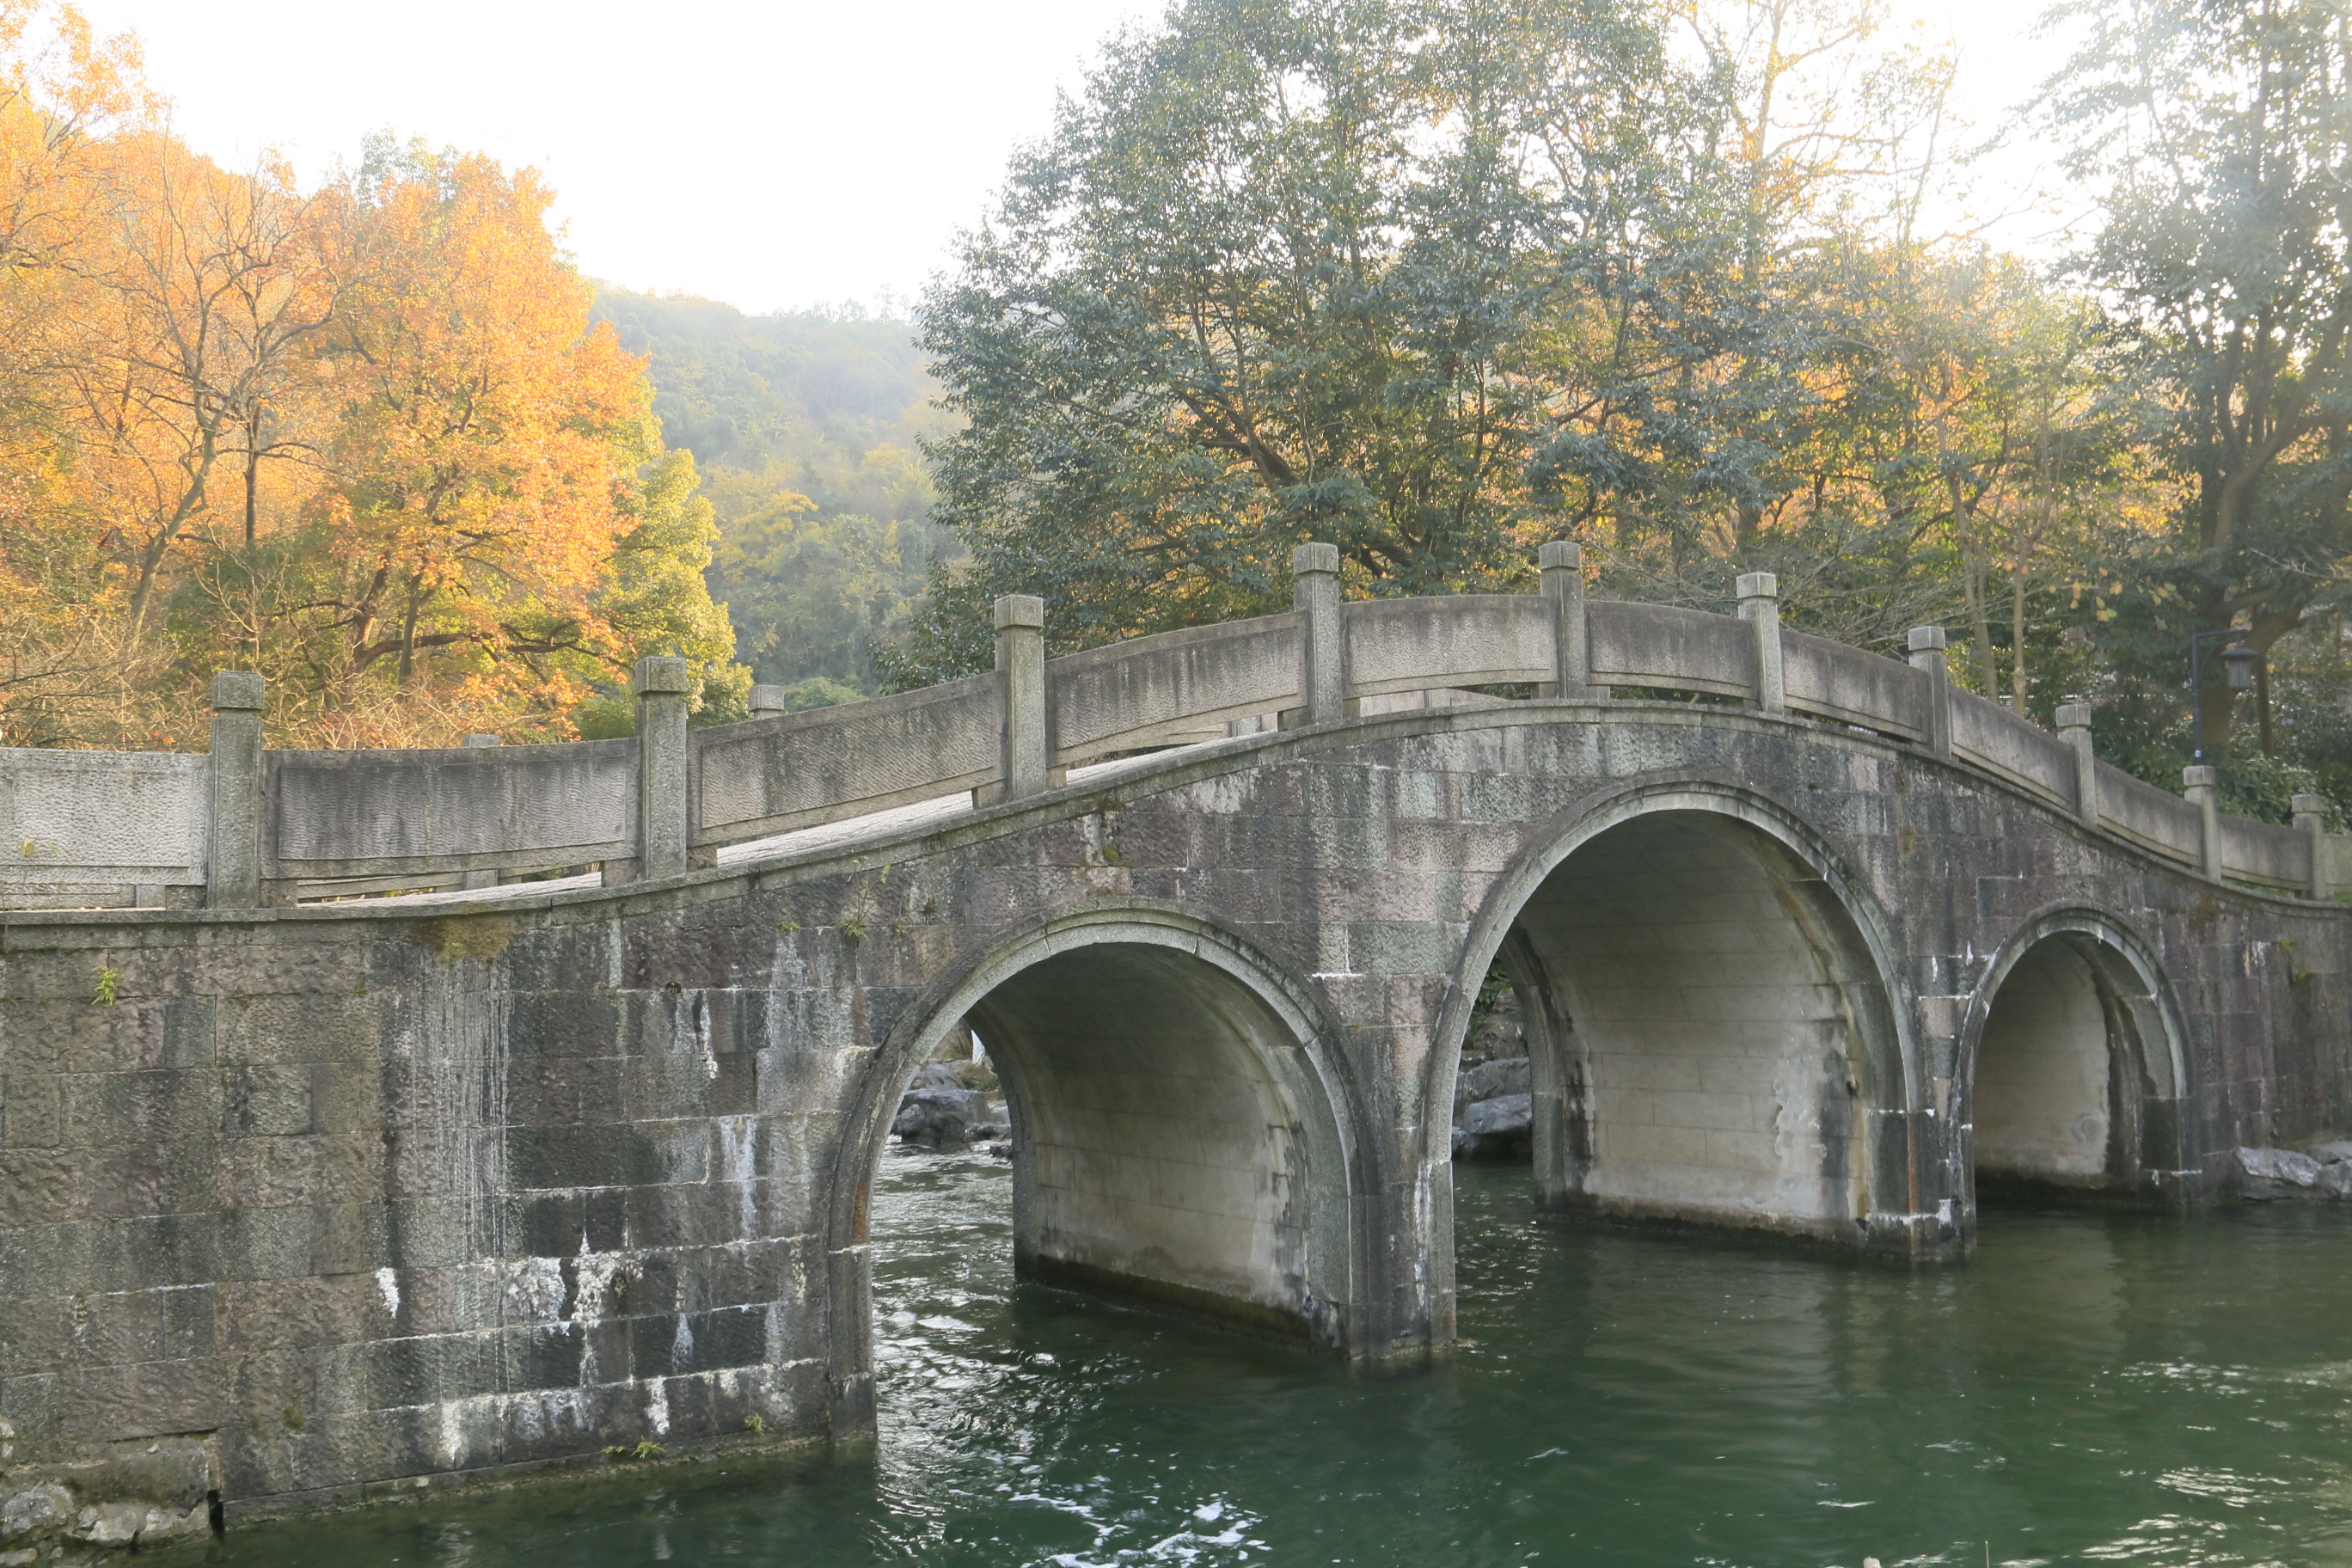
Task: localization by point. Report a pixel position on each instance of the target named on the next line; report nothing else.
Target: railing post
(1323, 642)
(1928, 654)
(1023, 753)
(2311, 821)
(2199, 785)
(1562, 561)
(767, 701)
(1760, 606)
(233, 867)
(476, 880)
(2074, 729)
(661, 686)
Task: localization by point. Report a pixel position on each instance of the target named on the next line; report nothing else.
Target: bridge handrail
(2024, 752)
(84, 827)
(1171, 687)
(400, 813)
(1446, 642)
(1849, 685)
(774, 773)
(1671, 649)
(2155, 820)
(242, 825)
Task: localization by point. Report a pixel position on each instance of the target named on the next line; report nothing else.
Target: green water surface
(2090, 1387)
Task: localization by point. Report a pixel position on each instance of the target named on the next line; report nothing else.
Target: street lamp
(2238, 667)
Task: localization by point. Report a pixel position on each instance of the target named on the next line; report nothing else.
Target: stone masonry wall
(338, 1202)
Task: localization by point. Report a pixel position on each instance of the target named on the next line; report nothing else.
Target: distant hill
(806, 429)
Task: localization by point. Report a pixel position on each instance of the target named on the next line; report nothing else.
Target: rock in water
(2267, 1174)
(932, 1117)
(1502, 1128)
(2338, 1153)
(1487, 1081)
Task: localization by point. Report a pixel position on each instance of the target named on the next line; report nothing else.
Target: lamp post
(2237, 661)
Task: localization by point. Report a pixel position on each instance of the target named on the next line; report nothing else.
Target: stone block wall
(337, 1201)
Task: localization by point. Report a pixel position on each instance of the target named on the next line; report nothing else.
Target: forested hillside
(807, 430)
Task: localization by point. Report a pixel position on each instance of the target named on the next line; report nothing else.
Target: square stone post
(233, 853)
(2074, 729)
(664, 827)
(1562, 561)
(767, 701)
(1760, 606)
(1927, 655)
(1323, 642)
(474, 880)
(2311, 821)
(1023, 755)
(2199, 785)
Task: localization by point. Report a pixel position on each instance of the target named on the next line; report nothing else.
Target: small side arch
(1715, 1020)
(2074, 1060)
(1182, 1135)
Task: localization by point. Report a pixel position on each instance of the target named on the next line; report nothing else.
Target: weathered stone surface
(1495, 1129)
(370, 1192)
(2267, 1174)
(1489, 1080)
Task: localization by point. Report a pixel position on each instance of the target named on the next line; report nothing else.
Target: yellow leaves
(363, 438)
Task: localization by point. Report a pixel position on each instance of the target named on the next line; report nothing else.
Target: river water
(2090, 1387)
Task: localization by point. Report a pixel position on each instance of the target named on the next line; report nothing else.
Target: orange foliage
(361, 438)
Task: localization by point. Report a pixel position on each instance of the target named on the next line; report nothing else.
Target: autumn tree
(362, 436)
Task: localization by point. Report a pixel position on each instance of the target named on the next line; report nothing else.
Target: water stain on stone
(464, 936)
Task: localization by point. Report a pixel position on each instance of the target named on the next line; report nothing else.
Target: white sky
(773, 155)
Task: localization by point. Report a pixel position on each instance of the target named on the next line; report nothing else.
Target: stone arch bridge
(318, 1196)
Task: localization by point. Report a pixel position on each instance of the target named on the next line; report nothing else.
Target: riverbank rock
(1490, 1080)
(948, 1103)
(2267, 1175)
(90, 1503)
(1493, 1114)
(1502, 1128)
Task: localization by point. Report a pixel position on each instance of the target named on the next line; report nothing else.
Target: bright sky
(771, 154)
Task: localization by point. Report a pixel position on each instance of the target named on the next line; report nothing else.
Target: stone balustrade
(245, 826)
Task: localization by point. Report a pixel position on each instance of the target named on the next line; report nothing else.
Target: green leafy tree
(2222, 133)
(1433, 283)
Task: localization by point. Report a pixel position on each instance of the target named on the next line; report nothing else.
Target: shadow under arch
(1181, 1136)
(2073, 1062)
(1715, 1022)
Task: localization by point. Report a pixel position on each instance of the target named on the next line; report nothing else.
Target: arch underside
(1170, 1145)
(2073, 1078)
(1710, 1034)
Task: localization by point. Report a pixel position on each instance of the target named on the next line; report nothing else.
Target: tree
(486, 437)
(2221, 132)
(1432, 283)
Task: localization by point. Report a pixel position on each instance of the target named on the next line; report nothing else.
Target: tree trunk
(252, 470)
(2262, 704)
(2017, 641)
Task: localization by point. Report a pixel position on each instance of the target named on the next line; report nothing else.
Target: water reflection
(2090, 1387)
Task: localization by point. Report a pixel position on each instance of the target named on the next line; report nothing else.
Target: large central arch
(1713, 1037)
(1181, 1137)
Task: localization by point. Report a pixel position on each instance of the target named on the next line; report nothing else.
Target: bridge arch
(1183, 1136)
(2072, 1060)
(1712, 1013)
